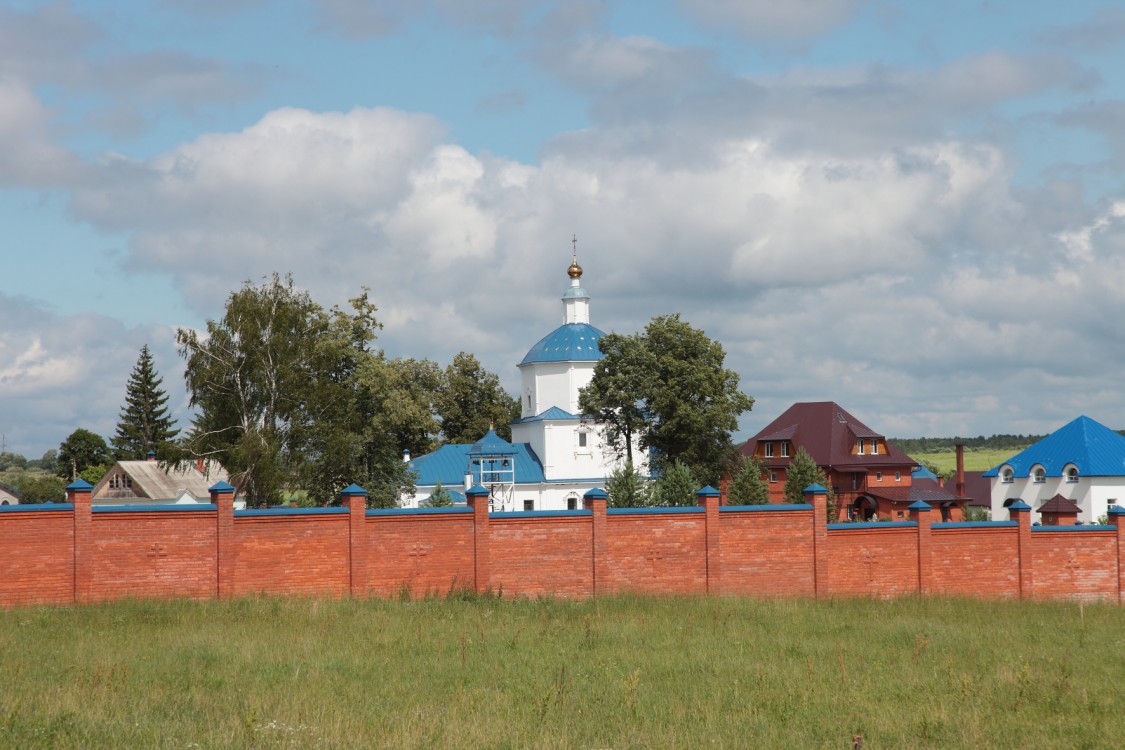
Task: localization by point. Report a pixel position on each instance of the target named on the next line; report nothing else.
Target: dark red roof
(923, 489)
(1059, 504)
(828, 432)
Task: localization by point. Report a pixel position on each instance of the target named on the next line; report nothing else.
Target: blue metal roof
(552, 414)
(448, 464)
(570, 342)
(1095, 449)
(491, 445)
(921, 472)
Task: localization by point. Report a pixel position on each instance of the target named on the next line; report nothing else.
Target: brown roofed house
(148, 482)
(870, 477)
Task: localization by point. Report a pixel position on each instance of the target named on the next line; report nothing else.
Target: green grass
(975, 460)
(607, 673)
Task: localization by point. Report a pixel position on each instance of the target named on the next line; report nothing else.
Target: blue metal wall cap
(353, 489)
(1116, 510)
(220, 487)
(815, 489)
(919, 505)
(1019, 505)
(476, 491)
(79, 485)
(708, 491)
(598, 492)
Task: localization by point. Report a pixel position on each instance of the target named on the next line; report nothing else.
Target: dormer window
(769, 450)
(1006, 475)
(1071, 474)
(874, 447)
(785, 449)
(860, 448)
(1039, 475)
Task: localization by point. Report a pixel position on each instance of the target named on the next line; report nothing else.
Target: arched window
(1039, 474)
(1071, 474)
(1006, 475)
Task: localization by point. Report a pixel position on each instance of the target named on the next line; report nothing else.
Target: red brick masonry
(58, 554)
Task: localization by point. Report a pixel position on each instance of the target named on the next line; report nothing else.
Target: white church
(556, 455)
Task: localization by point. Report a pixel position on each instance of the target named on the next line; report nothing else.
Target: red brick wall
(543, 555)
(1074, 565)
(36, 557)
(656, 553)
(873, 561)
(291, 554)
(67, 554)
(153, 555)
(419, 553)
(766, 553)
(976, 561)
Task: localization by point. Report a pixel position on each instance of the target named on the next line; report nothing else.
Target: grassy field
(981, 460)
(608, 673)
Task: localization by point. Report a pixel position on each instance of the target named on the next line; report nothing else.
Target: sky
(916, 210)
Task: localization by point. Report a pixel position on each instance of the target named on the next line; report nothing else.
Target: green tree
(144, 423)
(802, 473)
(42, 489)
(81, 450)
(669, 381)
(615, 396)
(626, 488)
(470, 399)
(439, 498)
(290, 393)
(677, 486)
(747, 486)
(12, 461)
(48, 462)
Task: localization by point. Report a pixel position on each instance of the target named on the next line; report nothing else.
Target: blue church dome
(571, 342)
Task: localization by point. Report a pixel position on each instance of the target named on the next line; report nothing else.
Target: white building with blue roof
(555, 455)
(1083, 462)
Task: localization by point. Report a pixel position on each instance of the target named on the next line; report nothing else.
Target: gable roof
(156, 482)
(1059, 504)
(1095, 449)
(827, 431)
(448, 464)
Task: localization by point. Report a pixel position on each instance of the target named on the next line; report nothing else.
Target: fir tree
(748, 487)
(803, 473)
(144, 423)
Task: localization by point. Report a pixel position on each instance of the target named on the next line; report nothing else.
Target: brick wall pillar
(79, 494)
(595, 500)
(920, 512)
(222, 495)
(477, 498)
(1020, 512)
(709, 498)
(817, 496)
(1117, 520)
(355, 497)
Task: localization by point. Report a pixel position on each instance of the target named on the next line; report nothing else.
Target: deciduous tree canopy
(668, 385)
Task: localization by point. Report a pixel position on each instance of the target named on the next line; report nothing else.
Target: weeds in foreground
(474, 670)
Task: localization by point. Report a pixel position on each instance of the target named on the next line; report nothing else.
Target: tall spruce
(144, 423)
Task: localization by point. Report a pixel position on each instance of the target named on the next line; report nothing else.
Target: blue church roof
(552, 414)
(492, 445)
(570, 342)
(448, 464)
(1094, 448)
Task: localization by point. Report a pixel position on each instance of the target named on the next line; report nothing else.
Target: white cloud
(770, 20)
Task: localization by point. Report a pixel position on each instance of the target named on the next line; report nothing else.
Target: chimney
(960, 447)
(199, 466)
(406, 455)
(150, 456)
